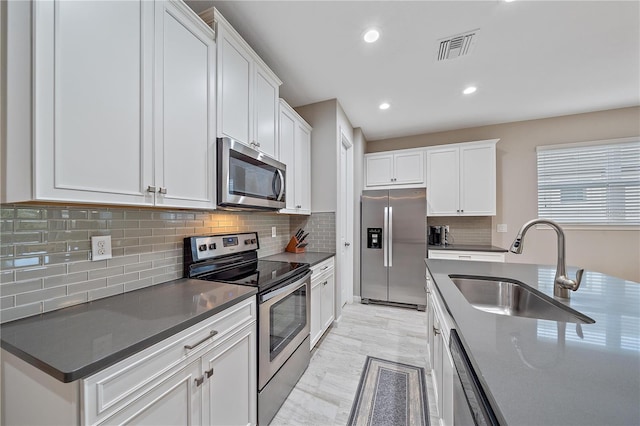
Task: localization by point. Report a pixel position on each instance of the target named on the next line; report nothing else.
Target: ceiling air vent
(456, 46)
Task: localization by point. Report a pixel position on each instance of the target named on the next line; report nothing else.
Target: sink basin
(506, 297)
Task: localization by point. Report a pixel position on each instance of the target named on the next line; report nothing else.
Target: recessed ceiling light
(371, 35)
(469, 90)
(384, 105)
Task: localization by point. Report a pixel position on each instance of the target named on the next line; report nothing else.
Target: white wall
(324, 166)
(358, 183)
(614, 252)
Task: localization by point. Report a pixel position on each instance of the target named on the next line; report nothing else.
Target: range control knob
(247, 242)
(253, 241)
(202, 247)
(212, 246)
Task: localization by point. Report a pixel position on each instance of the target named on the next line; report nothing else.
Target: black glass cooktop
(263, 274)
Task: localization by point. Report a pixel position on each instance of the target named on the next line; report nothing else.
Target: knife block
(291, 247)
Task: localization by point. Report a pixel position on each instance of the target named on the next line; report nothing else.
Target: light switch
(273, 231)
(502, 227)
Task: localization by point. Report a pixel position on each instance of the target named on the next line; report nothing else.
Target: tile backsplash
(45, 250)
(321, 228)
(466, 229)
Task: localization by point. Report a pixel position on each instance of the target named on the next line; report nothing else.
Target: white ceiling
(532, 59)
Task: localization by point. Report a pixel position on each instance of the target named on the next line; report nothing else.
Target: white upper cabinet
(248, 91)
(461, 179)
(122, 105)
(185, 101)
(295, 152)
(404, 168)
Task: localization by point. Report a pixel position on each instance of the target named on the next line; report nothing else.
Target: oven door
(284, 324)
(248, 179)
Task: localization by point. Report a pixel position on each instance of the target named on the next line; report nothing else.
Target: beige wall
(614, 252)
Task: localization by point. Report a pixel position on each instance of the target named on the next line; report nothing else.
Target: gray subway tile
(138, 214)
(138, 267)
(86, 286)
(152, 272)
(130, 233)
(106, 272)
(40, 248)
(18, 312)
(39, 295)
(87, 266)
(63, 302)
(7, 302)
(30, 213)
(7, 276)
(70, 278)
(125, 242)
(66, 236)
(56, 258)
(20, 287)
(125, 278)
(106, 292)
(151, 257)
(123, 260)
(159, 279)
(31, 225)
(41, 272)
(137, 250)
(138, 284)
(7, 212)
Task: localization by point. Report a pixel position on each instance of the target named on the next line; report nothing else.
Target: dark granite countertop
(468, 247)
(312, 258)
(75, 342)
(542, 372)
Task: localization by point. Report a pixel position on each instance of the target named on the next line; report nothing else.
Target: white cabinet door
(235, 68)
(265, 129)
(408, 168)
(230, 372)
(443, 172)
(328, 300)
(185, 105)
(303, 168)
(379, 169)
(316, 312)
(295, 152)
(461, 179)
(175, 401)
(478, 180)
(92, 101)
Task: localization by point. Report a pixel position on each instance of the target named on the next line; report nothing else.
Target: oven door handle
(287, 289)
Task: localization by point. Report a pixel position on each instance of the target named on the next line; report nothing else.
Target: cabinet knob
(436, 331)
(209, 372)
(199, 380)
(298, 207)
(347, 244)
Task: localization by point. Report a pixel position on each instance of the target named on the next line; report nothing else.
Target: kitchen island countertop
(539, 372)
(75, 342)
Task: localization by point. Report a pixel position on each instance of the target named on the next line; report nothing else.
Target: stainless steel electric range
(283, 307)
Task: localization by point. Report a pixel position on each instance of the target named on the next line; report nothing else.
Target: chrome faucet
(562, 284)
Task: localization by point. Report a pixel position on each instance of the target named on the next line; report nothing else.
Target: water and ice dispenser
(374, 238)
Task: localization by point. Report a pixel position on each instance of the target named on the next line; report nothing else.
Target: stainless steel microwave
(248, 179)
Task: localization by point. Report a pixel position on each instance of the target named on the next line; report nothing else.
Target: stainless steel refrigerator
(393, 246)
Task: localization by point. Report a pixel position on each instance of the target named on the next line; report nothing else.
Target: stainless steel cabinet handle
(436, 331)
(151, 188)
(325, 283)
(209, 372)
(347, 244)
(211, 334)
(298, 207)
(162, 190)
(326, 267)
(199, 380)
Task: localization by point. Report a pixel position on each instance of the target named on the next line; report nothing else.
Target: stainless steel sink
(506, 297)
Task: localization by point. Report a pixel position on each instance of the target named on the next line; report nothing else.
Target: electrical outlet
(273, 231)
(101, 247)
(502, 227)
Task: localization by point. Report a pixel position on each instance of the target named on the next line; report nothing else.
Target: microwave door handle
(281, 192)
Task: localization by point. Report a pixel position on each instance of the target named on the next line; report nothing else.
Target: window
(594, 183)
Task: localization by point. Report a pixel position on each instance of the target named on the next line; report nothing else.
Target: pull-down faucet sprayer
(562, 284)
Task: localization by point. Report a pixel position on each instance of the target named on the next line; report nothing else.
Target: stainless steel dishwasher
(470, 404)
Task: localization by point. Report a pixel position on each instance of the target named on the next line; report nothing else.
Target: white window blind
(596, 183)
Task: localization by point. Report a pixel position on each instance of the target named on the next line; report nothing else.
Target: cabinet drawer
(105, 392)
(322, 267)
(482, 256)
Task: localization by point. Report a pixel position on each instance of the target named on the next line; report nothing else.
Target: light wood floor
(324, 394)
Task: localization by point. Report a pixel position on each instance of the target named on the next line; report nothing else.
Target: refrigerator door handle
(390, 239)
(385, 237)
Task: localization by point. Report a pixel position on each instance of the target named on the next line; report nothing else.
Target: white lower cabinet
(206, 374)
(322, 299)
(482, 256)
(439, 325)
